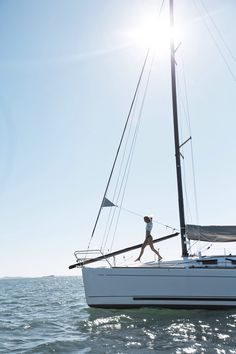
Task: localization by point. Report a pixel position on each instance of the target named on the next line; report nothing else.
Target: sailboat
(190, 282)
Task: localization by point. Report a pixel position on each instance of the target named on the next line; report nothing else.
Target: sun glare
(152, 34)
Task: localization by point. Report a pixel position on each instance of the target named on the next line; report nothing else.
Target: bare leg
(153, 249)
(141, 252)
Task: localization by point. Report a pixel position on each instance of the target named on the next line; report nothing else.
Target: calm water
(49, 315)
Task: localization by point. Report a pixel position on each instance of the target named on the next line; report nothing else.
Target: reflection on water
(165, 331)
(50, 315)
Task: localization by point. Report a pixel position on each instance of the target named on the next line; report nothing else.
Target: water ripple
(49, 315)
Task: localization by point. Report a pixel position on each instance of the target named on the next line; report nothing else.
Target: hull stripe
(184, 298)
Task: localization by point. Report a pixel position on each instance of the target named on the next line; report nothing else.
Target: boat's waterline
(172, 287)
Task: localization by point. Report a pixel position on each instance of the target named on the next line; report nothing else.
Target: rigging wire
(131, 153)
(161, 9)
(185, 105)
(117, 192)
(114, 198)
(218, 46)
(125, 177)
(218, 31)
(123, 134)
(186, 191)
(226, 62)
(191, 141)
(127, 167)
(119, 147)
(155, 221)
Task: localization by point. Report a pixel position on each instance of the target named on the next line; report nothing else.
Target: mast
(176, 136)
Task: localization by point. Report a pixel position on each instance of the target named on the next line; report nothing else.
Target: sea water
(50, 315)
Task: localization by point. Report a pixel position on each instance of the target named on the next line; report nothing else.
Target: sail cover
(211, 233)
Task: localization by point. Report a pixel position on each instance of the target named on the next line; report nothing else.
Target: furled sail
(211, 233)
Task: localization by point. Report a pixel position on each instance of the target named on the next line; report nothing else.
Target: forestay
(211, 233)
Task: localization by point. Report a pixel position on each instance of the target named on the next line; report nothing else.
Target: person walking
(148, 240)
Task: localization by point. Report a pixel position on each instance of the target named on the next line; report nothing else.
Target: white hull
(160, 286)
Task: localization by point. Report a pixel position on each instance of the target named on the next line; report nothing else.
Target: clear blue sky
(68, 73)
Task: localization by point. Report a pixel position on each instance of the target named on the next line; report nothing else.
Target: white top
(149, 226)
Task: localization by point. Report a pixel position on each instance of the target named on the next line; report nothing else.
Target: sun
(153, 34)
